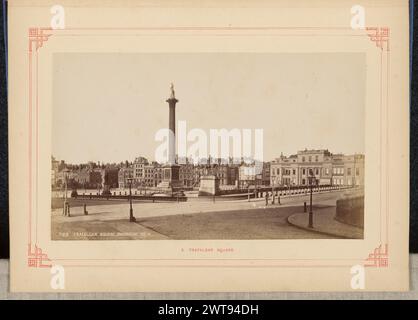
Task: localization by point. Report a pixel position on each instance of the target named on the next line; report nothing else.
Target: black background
(413, 235)
(4, 205)
(148, 309)
(4, 192)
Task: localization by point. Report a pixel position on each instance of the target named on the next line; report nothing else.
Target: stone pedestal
(171, 182)
(209, 186)
(106, 190)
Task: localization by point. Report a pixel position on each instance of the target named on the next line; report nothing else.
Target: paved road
(119, 209)
(189, 220)
(260, 223)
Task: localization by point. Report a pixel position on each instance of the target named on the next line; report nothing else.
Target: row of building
(327, 169)
(320, 166)
(150, 174)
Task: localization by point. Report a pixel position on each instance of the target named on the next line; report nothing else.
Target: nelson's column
(170, 182)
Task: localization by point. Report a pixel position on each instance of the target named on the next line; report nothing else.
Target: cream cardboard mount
(319, 188)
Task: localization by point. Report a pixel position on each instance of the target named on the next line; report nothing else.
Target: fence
(114, 196)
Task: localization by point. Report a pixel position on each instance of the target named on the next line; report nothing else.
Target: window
(310, 159)
(317, 171)
(278, 171)
(303, 159)
(326, 171)
(349, 171)
(316, 158)
(294, 171)
(304, 172)
(357, 171)
(303, 181)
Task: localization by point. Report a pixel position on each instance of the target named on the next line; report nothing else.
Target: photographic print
(301, 176)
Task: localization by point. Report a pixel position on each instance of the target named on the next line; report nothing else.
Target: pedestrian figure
(267, 198)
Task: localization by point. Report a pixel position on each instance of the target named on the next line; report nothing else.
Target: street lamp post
(311, 181)
(65, 191)
(131, 210)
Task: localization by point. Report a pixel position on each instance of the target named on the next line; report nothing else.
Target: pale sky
(108, 106)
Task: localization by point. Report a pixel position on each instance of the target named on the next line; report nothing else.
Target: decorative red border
(379, 257)
(380, 36)
(36, 258)
(38, 36)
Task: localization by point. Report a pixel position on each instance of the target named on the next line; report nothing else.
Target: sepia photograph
(190, 146)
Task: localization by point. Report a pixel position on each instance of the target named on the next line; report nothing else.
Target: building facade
(125, 173)
(254, 174)
(327, 168)
(54, 171)
(139, 170)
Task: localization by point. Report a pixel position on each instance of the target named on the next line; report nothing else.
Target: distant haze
(108, 106)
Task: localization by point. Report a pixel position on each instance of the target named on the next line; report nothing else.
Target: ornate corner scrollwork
(36, 258)
(380, 36)
(37, 37)
(378, 258)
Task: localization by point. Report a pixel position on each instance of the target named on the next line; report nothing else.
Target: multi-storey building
(125, 173)
(327, 168)
(254, 174)
(247, 175)
(186, 174)
(158, 174)
(147, 174)
(265, 174)
(348, 170)
(139, 170)
(54, 171)
(148, 178)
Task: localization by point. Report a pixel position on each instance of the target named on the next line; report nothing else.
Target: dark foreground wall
(350, 210)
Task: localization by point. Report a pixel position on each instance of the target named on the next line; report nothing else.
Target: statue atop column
(171, 171)
(172, 92)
